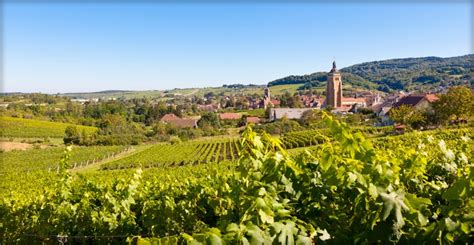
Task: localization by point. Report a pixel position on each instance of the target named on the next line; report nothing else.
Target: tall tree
(407, 115)
(458, 102)
(209, 119)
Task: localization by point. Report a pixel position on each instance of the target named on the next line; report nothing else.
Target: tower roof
(334, 69)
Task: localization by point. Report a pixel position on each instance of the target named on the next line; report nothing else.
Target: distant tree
(73, 108)
(112, 123)
(159, 128)
(296, 102)
(310, 117)
(242, 121)
(268, 111)
(407, 115)
(457, 102)
(72, 136)
(354, 119)
(85, 138)
(365, 111)
(399, 114)
(291, 101)
(242, 103)
(209, 119)
(209, 95)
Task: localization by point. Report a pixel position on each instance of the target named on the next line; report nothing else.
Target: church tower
(266, 97)
(334, 88)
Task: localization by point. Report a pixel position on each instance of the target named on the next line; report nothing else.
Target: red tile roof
(179, 122)
(431, 97)
(230, 116)
(169, 117)
(410, 100)
(349, 99)
(253, 120)
(184, 123)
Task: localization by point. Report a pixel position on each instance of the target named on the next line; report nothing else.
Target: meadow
(30, 128)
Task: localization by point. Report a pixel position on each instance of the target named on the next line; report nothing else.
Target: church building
(266, 98)
(334, 88)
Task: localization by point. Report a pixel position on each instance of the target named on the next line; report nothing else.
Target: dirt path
(10, 146)
(96, 166)
(193, 92)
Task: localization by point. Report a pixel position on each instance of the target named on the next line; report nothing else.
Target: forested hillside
(397, 74)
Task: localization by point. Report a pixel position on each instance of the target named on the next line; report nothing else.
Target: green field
(281, 89)
(414, 187)
(192, 153)
(30, 128)
(199, 92)
(30, 168)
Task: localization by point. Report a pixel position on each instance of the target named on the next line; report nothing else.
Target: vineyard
(29, 168)
(29, 128)
(303, 138)
(308, 138)
(414, 188)
(165, 155)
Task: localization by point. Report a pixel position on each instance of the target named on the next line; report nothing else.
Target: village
(376, 102)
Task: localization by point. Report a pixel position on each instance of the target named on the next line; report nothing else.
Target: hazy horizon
(68, 48)
(218, 85)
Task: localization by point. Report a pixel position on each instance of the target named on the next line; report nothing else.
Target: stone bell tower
(334, 88)
(266, 98)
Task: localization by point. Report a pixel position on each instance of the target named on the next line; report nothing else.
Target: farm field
(181, 196)
(281, 89)
(276, 90)
(33, 140)
(192, 153)
(26, 168)
(30, 128)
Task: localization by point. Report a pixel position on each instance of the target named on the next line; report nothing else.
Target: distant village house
(290, 113)
(174, 120)
(230, 116)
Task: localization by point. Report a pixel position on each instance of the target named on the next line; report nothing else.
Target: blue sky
(90, 47)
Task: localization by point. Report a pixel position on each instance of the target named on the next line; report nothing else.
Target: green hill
(29, 128)
(396, 74)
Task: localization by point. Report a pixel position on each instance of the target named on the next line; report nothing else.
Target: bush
(72, 135)
(175, 140)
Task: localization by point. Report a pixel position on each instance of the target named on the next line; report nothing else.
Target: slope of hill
(416, 73)
(396, 74)
(318, 80)
(30, 128)
(184, 92)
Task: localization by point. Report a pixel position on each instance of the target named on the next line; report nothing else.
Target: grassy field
(281, 89)
(117, 94)
(29, 128)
